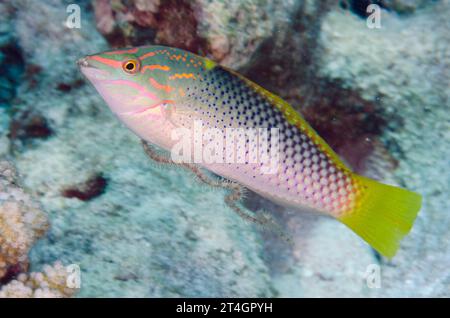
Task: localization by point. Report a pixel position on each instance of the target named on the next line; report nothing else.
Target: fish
(164, 94)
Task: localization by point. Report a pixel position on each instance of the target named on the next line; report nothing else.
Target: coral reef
(406, 64)
(22, 222)
(359, 7)
(11, 59)
(134, 239)
(136, 229)
(87, 190)
(227, 31)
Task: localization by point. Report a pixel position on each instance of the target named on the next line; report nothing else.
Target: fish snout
(92, 71)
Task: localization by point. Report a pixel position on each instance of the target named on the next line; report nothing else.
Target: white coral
(22, 221)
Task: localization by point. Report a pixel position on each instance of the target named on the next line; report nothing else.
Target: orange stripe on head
(155, 67)
(159, 86)
(130, 51)
(109, 62)
(149, 54)
(183, 75)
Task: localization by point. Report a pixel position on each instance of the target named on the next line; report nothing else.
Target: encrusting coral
(51, 283)
(228, 31)
(154, 232)
(22, 222)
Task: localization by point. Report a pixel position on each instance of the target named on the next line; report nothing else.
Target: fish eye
(130, 66)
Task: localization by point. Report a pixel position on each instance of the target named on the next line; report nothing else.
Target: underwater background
(77, 188)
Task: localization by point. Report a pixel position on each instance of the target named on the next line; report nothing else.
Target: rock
(11, 60)
(51, 283)
(406, 6)
(151, 231)
(359, 7)
(134, 239)
(405, 63)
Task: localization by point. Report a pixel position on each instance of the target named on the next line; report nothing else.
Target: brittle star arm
(236, 191)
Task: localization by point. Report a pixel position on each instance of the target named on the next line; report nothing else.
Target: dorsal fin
(294, 118)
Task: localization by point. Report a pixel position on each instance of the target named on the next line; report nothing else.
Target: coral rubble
(51, 283)
(22, 221)
(228, 31)
(136, 229)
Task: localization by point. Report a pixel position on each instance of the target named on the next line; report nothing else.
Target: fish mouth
(90, 71)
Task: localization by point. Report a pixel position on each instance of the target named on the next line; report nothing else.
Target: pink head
(135, 85)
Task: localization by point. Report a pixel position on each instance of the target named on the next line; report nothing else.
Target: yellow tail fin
(383, 216)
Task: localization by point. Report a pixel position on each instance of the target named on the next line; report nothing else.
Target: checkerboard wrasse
(156, 89)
